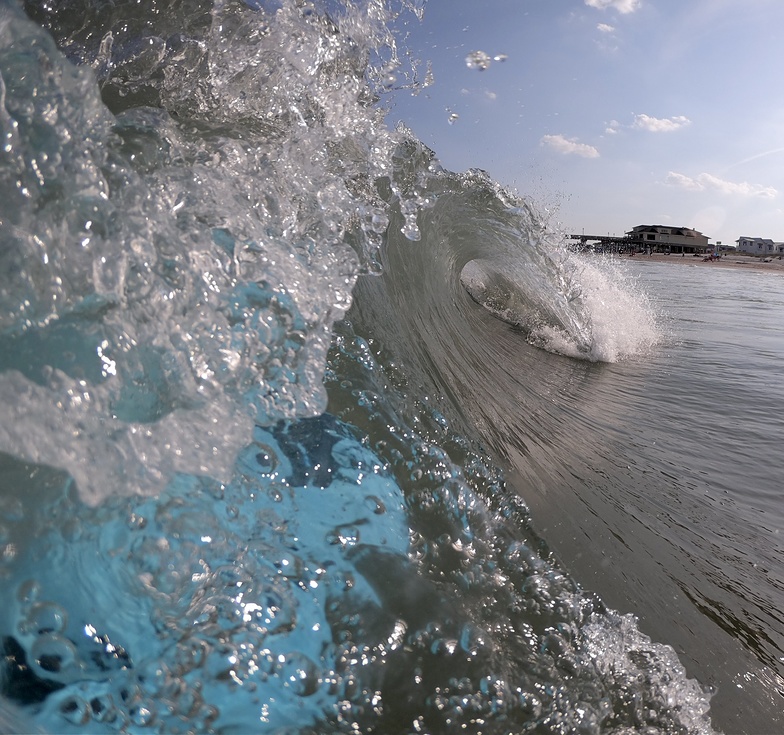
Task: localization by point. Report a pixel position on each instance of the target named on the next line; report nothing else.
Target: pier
(608, 243)
(647, 239)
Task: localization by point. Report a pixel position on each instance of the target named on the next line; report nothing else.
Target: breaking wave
(244, 383)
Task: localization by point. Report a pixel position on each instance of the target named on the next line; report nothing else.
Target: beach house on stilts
(666, 239)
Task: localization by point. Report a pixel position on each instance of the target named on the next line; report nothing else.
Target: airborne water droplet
(478, 60)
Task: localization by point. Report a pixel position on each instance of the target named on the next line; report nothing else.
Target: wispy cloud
(659, 124)
(605, 28)
(622, 6)
(569, 146)
(757, 156)
(709, 182)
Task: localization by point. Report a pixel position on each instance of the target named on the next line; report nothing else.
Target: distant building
(664, 239)
(760, 246)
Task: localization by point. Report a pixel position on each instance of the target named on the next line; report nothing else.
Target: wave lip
(588, 310)
(192, 191)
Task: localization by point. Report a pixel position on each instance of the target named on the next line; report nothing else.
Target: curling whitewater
(230, 504)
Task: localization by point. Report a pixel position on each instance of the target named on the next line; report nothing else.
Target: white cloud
(683, 182)
(569, 146)
(709, 182)
(622, 6)
(605, 28)
(660, 125)
(612, 127)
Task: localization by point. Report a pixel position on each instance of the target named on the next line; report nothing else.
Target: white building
(760, 246)
(662, 238)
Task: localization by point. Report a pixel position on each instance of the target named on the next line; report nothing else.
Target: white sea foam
(211, 239)
(572, 305)
(619, 320)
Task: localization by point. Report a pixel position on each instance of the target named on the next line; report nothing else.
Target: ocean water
(682, 515)
(303, 433)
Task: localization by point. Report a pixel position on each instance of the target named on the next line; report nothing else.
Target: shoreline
(741, 262)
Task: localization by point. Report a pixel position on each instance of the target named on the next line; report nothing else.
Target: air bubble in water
(266, 459)
(75, 711)
(343, 536)
(54, 656)
(142, 716)
(102, 708)
(28, 591)
(44, 617)
(299, 674)
(375, 504)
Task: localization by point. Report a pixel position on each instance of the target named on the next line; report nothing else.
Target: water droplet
(478, 60)
(379, 221)
(411, 231)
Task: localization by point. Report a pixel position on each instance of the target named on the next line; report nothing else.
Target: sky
(611, 113)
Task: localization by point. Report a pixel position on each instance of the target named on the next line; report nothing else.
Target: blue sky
(612, 113)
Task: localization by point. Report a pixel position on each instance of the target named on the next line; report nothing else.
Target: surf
(252, 436)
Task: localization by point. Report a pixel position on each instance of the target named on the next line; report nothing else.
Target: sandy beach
(746, 262)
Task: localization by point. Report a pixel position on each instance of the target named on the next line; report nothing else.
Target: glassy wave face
(227, 505)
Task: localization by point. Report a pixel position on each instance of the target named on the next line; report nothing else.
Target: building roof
(682, 231)
(765, 240)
